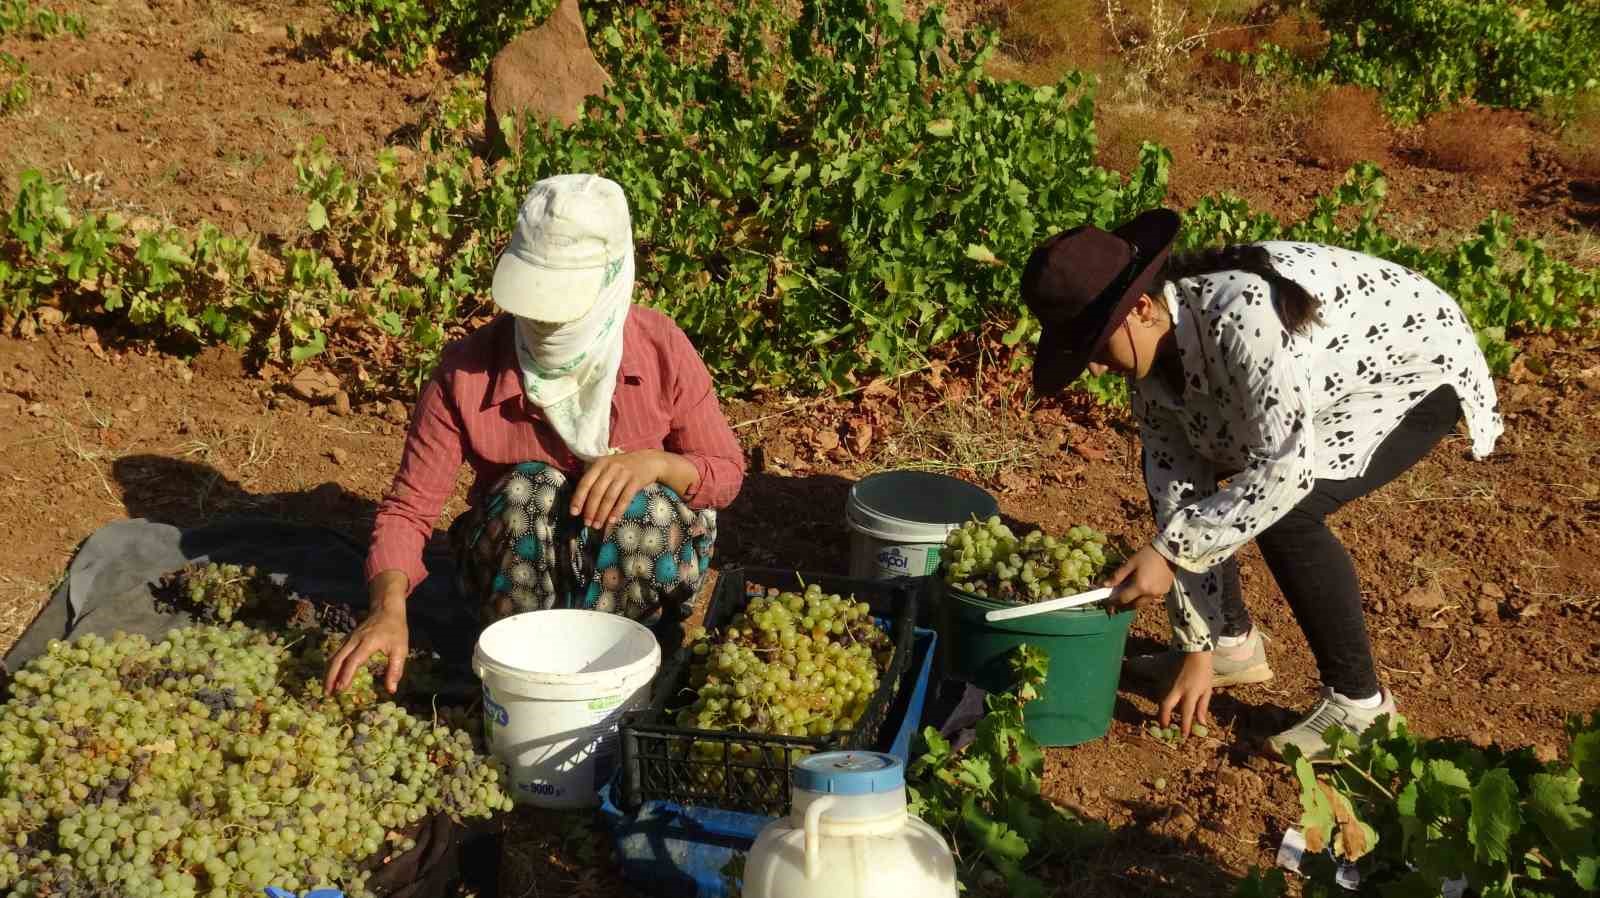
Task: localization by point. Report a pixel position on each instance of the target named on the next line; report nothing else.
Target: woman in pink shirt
(599, 450)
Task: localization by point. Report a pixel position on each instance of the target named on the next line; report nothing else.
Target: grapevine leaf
(977, 252)
(1018, 812)
(1316, 818)
(1018, 881)
(975, 772)
(1585, 755)
(316, 215)
(994, 837)
(1495, 816)
(1555, 809)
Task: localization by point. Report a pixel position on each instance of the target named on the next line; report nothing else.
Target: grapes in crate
(985, 558)
(802, 664)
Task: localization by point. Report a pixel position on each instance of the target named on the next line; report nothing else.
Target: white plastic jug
(849, 835)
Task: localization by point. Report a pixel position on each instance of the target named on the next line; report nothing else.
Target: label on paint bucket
(908, 561)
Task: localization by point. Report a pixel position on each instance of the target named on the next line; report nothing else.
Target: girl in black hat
(1273, 383)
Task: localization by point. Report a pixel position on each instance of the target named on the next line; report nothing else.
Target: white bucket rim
(484, 660)
(864, 519)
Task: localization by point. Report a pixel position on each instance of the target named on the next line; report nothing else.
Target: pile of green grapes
(209, 764)
(985, 558)
(791, 664)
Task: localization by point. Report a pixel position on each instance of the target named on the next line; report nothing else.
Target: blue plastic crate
(679, 852)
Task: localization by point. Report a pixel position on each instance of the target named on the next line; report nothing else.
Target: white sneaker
(1332, 710)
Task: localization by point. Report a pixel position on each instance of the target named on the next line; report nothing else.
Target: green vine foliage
(1415, 813)
(821, 195)
(1426, 55)
(987, 798)
(408, 33)
(23, 18)
(1502, 282)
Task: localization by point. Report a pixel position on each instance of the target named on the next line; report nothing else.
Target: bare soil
(1482, 590)
(1499, 644)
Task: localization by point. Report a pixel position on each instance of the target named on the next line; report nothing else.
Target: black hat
(1082, 283)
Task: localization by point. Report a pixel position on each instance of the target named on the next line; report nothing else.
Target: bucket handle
(813, 830)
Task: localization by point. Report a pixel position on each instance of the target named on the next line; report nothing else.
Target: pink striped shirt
(474, 410)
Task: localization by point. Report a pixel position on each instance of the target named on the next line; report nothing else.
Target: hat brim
(1062, 355)
(545, 294)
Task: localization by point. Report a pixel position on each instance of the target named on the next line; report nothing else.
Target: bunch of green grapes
(790, 664)
(202, 765)
(985, 558)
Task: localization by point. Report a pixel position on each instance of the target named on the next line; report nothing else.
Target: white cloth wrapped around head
(567, 277)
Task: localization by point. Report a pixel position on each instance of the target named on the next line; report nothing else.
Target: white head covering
(567, 276)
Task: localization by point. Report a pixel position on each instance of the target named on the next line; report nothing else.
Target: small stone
(36, 409)
(185, 374)
(1428, 595)
(1161, 784)
(314, 385)
(226, 205)
(1488, 608)
(49, 316)
(1480, 632)
(1493, 591)
(27, 328)
(341, 403)
(339, 456)
(138, 404)
(397, 412)
(1532, 609)
(1546, 753)
(1229, 777)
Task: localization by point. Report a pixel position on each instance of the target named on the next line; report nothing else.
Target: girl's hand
(611, 483)
(1143, 580)
(1190, 694)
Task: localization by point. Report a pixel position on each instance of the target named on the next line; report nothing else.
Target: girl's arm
(1267, 412)
(1175, 477)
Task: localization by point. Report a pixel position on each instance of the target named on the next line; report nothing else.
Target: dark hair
(1296, 305)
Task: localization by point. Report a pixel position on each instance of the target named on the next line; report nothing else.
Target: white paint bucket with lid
(899, 519)
(555, 684)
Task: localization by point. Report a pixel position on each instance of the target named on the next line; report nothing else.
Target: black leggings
(1316, 574)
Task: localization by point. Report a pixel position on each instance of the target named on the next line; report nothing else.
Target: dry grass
(1123, 128)
(1474, 139)
(1579, 148)
(1043, 39)
(1344, 125)
(961, 435)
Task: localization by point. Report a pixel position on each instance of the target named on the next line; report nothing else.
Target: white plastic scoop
(1082, 598)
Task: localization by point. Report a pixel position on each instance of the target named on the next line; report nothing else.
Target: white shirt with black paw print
(1280, 411)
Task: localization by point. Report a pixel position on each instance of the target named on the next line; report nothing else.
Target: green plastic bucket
(1084, 646)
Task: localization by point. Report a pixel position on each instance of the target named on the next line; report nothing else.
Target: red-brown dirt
(93, 435)
(192, 111)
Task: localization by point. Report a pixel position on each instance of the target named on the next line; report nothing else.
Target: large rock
(545, 72)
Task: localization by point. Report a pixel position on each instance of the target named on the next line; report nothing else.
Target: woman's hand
(384, 630)
(1144, 579)
(610, 483)
(1190, 694)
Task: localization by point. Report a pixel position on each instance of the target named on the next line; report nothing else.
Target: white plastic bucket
(554, 685)
(899, 519)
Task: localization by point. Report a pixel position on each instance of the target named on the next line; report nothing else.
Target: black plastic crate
(658, 761)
